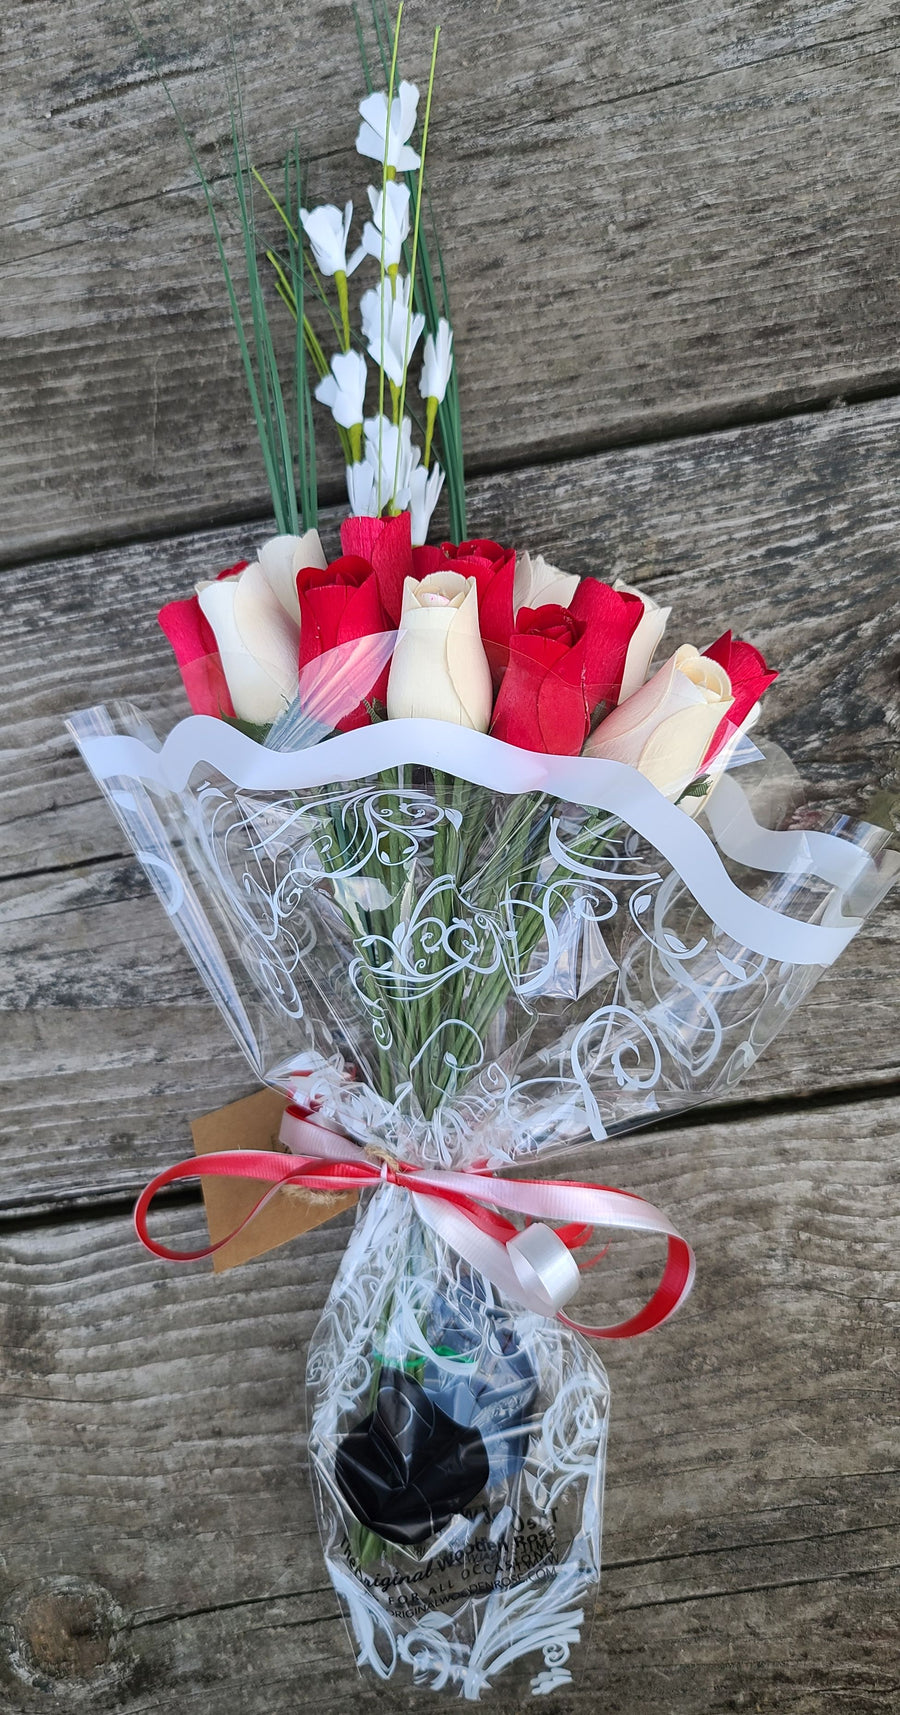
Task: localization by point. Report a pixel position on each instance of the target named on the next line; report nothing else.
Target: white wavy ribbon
(202, 741)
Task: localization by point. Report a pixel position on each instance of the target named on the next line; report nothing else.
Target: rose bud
(439, 669)
(493, 568)
(563, 663)
(194, 647)
(538, 584)
(387, 544)
(407, 1468)
(665, 729)
(257, 640)
(749, 677)
(251, 623)
(340, 604)
(643, 644)
(281, 559)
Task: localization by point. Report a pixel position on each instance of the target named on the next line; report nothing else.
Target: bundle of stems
(488, 878)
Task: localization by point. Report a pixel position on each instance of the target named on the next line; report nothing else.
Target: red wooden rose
(194, 647)
(749, 676)
(563, 663)
(339, 605)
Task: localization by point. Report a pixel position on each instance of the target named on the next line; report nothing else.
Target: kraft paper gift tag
(253, 1123)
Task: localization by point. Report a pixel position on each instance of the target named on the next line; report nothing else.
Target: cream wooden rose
(538, 584)
(665, 729)
(644, 640)
(255, 617)
(439, 669)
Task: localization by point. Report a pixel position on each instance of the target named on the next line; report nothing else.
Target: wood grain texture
(656, 220)
(110, 1043)
(667, 217)
(153, 1446)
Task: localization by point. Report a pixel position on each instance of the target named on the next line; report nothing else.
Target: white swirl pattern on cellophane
(622, 999)
(378, 928)
(467, 1640)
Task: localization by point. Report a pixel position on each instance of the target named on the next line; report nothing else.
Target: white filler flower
(344, 390)
(390, 331)
(361, 489)
(424, 490)
(438, 362)
(393, 470)
(371, 136)
(390, 220)
(328, 230)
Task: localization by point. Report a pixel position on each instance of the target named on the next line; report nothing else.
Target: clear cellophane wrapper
(464, 956)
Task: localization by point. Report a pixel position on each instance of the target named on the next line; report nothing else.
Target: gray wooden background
(673, 235)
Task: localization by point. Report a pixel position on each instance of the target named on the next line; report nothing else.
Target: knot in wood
(63, 1631)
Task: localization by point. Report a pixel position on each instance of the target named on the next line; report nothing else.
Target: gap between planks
(687, 424)
(25, 1214)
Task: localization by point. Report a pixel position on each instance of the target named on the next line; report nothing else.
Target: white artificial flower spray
(344, 392)
(387, 472)
(390, 327)
(435, 377)
(392, 457)
(424, 492)
(386, 233)
(387, 139)
(328, 230)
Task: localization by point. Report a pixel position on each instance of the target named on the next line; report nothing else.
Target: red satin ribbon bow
(461, 1206)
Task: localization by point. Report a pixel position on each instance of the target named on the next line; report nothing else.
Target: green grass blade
(272, 393)
(306, 433)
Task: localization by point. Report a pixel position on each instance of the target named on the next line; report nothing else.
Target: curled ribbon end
(544, 1267)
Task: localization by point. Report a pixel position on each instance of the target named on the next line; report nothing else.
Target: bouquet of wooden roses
(478, 868)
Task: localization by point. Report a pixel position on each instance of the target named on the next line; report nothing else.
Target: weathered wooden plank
(786, 530)
(676, 217)
(153, 1446)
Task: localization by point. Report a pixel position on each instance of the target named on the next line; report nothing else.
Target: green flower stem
(340, 280)
(451, 796)
(517, 866)
(528, 928)
(415, 242)
(431, 411)
(457, 999)
(314, 348)
(358, 924)
(387, 172)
